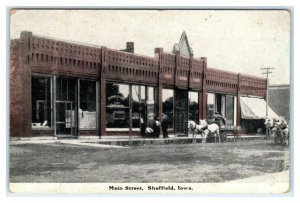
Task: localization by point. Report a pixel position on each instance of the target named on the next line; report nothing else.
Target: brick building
(60, 88)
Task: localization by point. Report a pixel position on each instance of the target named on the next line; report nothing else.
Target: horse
(205, 129)
(284, 131)
(269, 124)
(277, 130)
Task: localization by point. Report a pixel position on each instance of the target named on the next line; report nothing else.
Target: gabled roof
(184, 46)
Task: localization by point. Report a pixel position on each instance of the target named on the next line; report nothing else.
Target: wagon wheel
(223, 136)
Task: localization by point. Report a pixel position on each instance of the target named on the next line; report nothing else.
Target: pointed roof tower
(183, 46)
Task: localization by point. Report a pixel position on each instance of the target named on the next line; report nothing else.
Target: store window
(117, 105)
(87, 112)
(220, 104)
(168, 106)
(194, 106)
(127, 106)
(143, 103)
(143, 117)
(210, 105)
(66, 89)
(41, 102)
(151, 100)
(136, 106)
(229, 114)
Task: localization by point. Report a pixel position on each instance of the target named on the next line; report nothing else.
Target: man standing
(164, 126)
(219, 119)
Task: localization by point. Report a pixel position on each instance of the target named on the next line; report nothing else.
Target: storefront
(253, 114)
(64, 105)
(222, 104)
(63, 89)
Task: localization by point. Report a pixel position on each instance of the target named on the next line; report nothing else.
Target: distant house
(279, 100)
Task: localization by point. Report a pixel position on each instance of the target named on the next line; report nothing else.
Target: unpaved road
(207, 162)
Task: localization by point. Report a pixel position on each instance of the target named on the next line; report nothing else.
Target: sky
(241, 41)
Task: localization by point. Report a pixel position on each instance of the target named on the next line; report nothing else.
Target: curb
(131, 142)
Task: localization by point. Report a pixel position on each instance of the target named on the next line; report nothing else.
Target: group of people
(151, 129)
(153, 126)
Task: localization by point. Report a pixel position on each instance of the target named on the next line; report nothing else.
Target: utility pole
(267, 69)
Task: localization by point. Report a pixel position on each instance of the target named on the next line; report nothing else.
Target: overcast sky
(238, 41)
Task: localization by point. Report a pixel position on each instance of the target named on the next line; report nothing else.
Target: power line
(267, 69)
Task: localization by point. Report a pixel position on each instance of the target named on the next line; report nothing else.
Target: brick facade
(35, 54)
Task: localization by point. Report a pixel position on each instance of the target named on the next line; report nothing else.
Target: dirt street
(207, 162)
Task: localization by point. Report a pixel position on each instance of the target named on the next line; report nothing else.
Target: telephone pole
(267, 69)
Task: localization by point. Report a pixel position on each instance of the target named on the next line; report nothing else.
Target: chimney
(130, 47)
(158, 50)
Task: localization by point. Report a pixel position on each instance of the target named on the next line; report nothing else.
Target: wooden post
(203, 103)
(159, 109)
(238, 107)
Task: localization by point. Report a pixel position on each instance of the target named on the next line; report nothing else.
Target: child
(152, 126)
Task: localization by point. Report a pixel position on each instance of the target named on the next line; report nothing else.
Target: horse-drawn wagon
(213, 131)
(235, 131)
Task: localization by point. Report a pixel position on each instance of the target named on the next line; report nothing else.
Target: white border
(84, 3)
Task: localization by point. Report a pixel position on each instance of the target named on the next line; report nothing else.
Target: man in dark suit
(164, 126)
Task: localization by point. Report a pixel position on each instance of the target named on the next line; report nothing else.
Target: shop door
(181, 112)
(66, 107)
(65, 118)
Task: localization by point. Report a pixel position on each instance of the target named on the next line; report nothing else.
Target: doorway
(66, 107)
(181, 112)
(65, 118)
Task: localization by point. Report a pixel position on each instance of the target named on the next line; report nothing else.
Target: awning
(255, 108)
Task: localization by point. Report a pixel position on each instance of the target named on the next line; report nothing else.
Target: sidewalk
(118, 142)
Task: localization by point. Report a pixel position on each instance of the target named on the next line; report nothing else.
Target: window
(41, 102)
(220, 103)
(210, 105)
(136, 105)
(168, 106)
(194, 106)
(229, 114)
(151, 100)
(117, 105)
(65, 89)
(87, 112)
(65, 105)
(128, 105)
